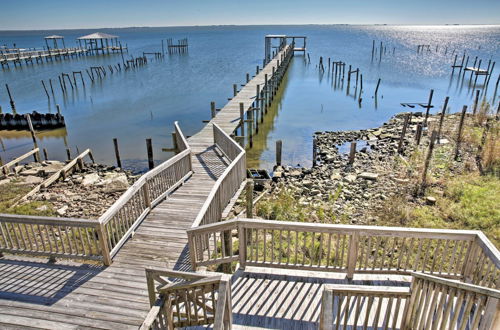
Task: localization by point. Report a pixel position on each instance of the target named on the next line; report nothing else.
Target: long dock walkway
(68, 295)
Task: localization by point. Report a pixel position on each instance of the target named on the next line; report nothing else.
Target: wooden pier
(171, 218)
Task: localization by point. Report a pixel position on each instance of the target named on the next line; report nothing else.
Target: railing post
(326, 313)
(352, 256)
(145, 191)
(103, 241)
(470, 257)
(242, 248)
(491, 314)
(192, 250)
(151, 287)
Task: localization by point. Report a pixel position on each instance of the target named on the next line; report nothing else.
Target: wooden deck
(274, 299)
(67, 295)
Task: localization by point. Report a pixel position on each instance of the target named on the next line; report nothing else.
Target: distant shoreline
(249, 25)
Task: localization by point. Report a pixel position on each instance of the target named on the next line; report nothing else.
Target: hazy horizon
(92, 14)
(243, 25)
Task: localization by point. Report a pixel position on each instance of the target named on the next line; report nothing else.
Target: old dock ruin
(153, 243)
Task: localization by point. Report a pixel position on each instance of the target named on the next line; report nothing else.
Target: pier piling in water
(117, 153)
(149, 147)
(279, 146)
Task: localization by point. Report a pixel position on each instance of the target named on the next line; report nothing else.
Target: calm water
(143, 103)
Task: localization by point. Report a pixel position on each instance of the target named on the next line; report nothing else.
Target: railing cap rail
(369, 289)
(362, 229)
(459, 285)
(43, 220)
(111, 211)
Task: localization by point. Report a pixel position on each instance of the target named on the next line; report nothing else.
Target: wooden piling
(45, 154)
(315, 155)
(12, 103)
(33, 137)
(459, 132)
(403, 133)
(213, 111)
(242, 123)
(249, 198)
(427, 162)
(68, 154)
(418, 134)
(45, 89)
(429, 106)
(235, 89)
(476, 101)
(149, 147)
(51, 87)
(58, 109)
(441, 118)
(352, 152)
(117, 153)
(279, 146)
(376, 88)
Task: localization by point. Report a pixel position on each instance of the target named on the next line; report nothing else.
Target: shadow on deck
(42, 283)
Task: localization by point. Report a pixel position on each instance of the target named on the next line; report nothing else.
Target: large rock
(90, 179)
(114, 182)
(31, 180)
(62, 210)
(368, 176)
(51, 167)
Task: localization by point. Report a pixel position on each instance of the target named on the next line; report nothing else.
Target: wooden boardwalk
(68, 295)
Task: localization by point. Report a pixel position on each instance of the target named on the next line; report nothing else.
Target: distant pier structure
(53, 39)
(100, 42)
(91, 44)
(271, 47)
(180, 47)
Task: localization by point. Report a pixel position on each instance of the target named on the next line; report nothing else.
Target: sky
(74, 14)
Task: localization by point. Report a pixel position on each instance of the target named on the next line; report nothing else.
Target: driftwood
(6, 168)
(62, 173)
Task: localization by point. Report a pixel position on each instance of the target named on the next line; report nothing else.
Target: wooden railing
(127, 213)
(367, 307)
(430, 303)
(59, 237)
(227, 184)
(53, 237)
(458, 254)
(180, 299)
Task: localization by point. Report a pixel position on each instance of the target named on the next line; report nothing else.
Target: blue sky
(67, 14)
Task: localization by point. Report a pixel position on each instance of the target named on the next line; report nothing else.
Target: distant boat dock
(92, 44)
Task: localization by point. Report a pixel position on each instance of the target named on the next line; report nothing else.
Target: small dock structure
(180, 47)
(108, 42)
(54, 39)
(270, 45)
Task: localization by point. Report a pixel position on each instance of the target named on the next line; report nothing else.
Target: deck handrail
(430, 302)
(228, 183)
(52, 237)
(456, 254)
(108, 233)
(182, 299)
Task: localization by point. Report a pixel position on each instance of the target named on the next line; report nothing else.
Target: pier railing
(180, 299)
(458, 254)
(228, 183)
(430, 303)
(127, 213)
(97, 239)
(52, 237)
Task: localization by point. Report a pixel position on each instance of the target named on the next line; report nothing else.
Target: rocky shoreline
(353, 193)
(85, 193)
